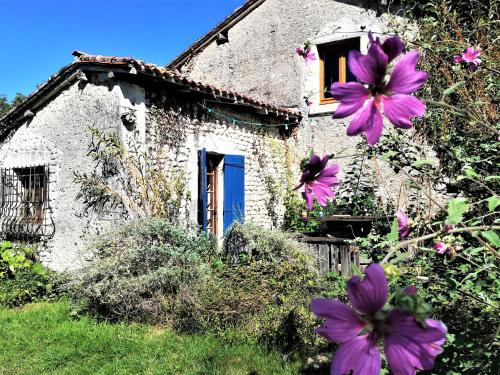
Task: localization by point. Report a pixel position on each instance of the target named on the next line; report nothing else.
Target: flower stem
(432, 235)
(461, 112)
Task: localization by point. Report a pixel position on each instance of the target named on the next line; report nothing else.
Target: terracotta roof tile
(166, 73)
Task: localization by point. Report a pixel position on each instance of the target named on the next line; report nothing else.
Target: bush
(140, 266)
(263, 287)
(23, 278)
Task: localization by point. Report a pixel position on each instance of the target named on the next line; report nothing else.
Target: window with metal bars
(24, 198)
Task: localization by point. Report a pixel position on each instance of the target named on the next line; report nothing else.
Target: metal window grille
(24, 202)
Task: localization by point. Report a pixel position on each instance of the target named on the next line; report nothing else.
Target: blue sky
(38, 36)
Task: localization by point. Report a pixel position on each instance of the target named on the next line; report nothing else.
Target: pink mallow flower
(408, 344)
(384, 92)
(403, 225)
(440, 247)
(319, 180)
(306, 53)
(470, 56)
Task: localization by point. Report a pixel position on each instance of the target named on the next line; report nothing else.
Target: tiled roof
(209, 37)
(58, 80)
(170, 75)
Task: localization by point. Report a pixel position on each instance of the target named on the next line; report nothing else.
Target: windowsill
(318, 109)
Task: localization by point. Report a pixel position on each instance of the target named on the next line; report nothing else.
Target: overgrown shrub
(23, 278)
(138, 267)
(263, 287)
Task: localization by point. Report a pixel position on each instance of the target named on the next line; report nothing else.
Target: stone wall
(59, 136)
(186, 128)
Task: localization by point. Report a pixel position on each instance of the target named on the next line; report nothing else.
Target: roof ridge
(210, 36)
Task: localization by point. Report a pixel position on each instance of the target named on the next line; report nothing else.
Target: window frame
(344, 46)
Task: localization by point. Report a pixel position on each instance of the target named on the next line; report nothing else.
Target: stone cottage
(226, 145)
(229, 114)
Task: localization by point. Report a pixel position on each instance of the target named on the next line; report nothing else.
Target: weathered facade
(46, 144)
(253, 52)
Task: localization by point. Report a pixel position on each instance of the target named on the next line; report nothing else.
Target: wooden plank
(324, 258)
(355, 255)
(334, 258)
(322, 239)
(345, 261)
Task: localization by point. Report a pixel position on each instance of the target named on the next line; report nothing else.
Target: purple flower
(403, 226)
(470, 56)
(440, 247)
(448, 228)
(306, 54)
(392, 96)
(319, 180)
(408, 345)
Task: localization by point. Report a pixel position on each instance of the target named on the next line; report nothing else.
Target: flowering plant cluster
(470, 57)
(318, 179)
(306, 53)
(411, 340)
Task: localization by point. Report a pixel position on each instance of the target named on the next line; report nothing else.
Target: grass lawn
(42, 339)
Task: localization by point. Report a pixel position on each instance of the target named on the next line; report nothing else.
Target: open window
(221, 199)
(333, 59)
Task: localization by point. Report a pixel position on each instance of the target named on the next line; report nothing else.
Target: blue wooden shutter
(234, 189)
(202, 210)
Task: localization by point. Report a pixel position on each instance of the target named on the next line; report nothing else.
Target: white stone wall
(59, 136)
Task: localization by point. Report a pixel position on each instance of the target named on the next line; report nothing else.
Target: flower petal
(370, 294)
(457, 59)
(374, 133)
(363, 119)
(308, 197)
(403, 228)
(359, 355)
(342, 323)
(332, 170)
(407, 344)
(435, 348)
(351, 96)
(370, 68)
(393, 47)
(400, 108)
(404, 78)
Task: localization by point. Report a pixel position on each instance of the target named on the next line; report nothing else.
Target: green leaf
(393, 235)
(493, 203)
(456, 209)
(492, 178)
(469, 172)
(492, 237)
(388, 155)
(452, 88)
(421, 163)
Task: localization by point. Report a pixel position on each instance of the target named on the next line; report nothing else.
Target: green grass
(42, 339)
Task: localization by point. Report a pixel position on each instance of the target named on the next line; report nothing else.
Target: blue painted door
(203, 189)
(234, 189)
